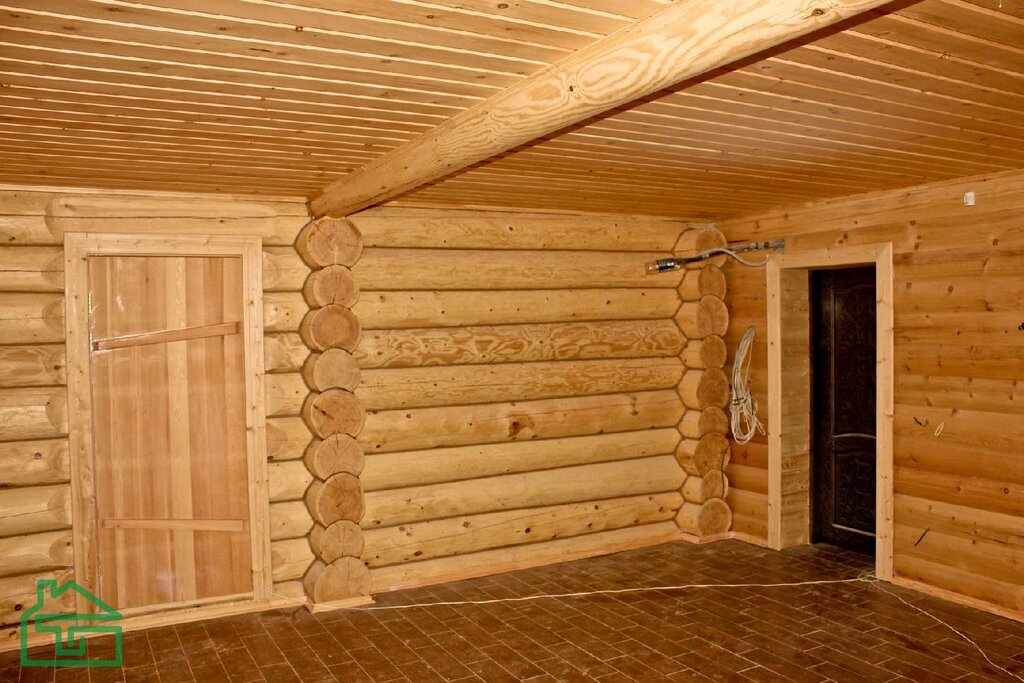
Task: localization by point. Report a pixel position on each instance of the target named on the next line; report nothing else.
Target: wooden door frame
(78, 247)
(789, 409)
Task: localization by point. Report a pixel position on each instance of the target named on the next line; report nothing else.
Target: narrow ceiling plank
(673, 44)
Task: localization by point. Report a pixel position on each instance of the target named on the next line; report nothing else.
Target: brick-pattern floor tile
(802, 634)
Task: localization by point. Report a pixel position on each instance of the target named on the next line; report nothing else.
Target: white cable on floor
(959, 633)
(616, 591)
(744, 406)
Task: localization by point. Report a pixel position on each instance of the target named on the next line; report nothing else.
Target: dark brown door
(843, 450)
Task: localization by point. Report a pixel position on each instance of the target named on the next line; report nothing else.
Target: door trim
(78, 247)
(789, 409)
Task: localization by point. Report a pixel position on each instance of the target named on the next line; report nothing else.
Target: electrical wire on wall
(744, 421)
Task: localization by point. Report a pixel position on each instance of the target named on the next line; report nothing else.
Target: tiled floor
(842, 632)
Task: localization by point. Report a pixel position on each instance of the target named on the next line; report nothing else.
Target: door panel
(169, 430)
(844, 392)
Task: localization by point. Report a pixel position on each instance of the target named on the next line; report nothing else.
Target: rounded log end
(330, 327)
(341, 539)
(332, 369)
(344, 578)
(334, 411)
(337, 499)
(331, 285)
(329, 241)
(337, 454)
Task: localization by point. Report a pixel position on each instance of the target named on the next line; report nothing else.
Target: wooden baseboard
(347, 603)
(748, 538)
(964, 600)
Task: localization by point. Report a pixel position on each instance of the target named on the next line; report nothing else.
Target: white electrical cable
(730, 252)
(744, 406)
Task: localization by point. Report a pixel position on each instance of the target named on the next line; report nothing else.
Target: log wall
(35, 519)
(520, 379)
(959, 490)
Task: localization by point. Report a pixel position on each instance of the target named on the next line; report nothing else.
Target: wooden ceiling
(282, 96)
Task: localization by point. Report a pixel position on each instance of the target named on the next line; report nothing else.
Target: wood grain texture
(424, 428)
(412, 309)
(656, 474)
(411, 468)
(460, 269)
(678, 42)
(939, 247)
(476, 533)
(518, 343)
(385, 389)
(500, 560)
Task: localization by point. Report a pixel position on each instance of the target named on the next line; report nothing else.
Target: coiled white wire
(744, 406)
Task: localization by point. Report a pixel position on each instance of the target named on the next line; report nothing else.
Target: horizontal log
(329, 241)
(31, 269)
(31, 318)
(346, 577)
(699, 457)
(518, 343)
(500, 560)
(341, 539)
(285, 394)
(290, 559)
(469, 230)
(701, 389)
(334, 411)
(412, 309)
(975, 554)
(32, 365)
(383, 389)
(288, 480)
(414, 468)
(332, 369)
(550, 487)
(399, 430)
(289, 520)
(714, 484)
(475, 533)
(1005, 596)
(698, 319)
(707, 281)
(283, 311)
(34, 509)
(968, 522)
(276, 222)
(330, 327)
(30, 463)
(292, 591)
(708, 519)
(338, 453)
(287, 438)
(339, 498)
(432, 269)
(331, 285)
(698, 423)
(36, 552)
(19, 593)
(283, 270)
(33, 413)
(284, 352)
(709, 352)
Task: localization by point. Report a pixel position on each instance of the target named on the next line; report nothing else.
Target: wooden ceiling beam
(679, 42)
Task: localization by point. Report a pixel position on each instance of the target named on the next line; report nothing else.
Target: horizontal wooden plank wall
(959, 466)
(35, 521)
(519, 376)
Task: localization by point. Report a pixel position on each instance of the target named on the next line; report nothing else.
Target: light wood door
(167, 377)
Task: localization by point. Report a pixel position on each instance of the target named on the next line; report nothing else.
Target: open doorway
(843, 407)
